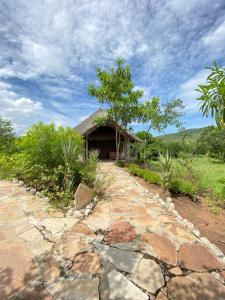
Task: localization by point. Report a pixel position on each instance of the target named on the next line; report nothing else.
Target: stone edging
(169, 206)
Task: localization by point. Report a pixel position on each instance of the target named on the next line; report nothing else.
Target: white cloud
(188, 92)
(23, 112)
(215, 39)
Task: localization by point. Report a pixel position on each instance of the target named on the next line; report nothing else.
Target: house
(103, 137)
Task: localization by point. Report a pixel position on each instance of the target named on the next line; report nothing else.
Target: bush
(49, 161)
(180, 186)
(148, 175)
(121, 163)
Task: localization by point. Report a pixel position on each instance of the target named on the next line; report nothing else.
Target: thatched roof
(88, 125)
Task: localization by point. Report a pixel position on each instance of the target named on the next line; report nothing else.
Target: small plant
(120, 163)
(148, 175)
(166, 166)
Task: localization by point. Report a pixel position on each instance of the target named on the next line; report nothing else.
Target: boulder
(82, 196)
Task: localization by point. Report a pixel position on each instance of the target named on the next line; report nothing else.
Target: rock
(197, 258)
(205, 241)
(20, 183)
(196, 232)
(28, 188)
(75, 241)
(161, 296)
(218, 277)
(86, 264)
(121, 288)
(126, 261)
(77, 214)
(169, 200)
(87, 211)
(149, 276)
(130, 246)
(80, 289)
(33, 191)
(120, 232)
(57, 225)
(82, 196)
(171, 207)
(216, 250)
(158, 246)
(104, 283)
(17, 269)
(197, 286)
(176, 271)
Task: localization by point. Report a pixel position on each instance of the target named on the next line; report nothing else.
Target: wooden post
(86, 148)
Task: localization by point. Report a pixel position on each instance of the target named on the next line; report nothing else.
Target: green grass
(211, 174)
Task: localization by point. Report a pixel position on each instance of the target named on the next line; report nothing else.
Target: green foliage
(212, 142)
(43, 144)
(213, 95)
(48, 160)
(117, 91)
(166, 166)
(121, 163)
(181, 186)
(159, 116)
(7, 136)
(148, 175)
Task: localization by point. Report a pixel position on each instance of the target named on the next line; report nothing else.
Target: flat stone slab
(149, 276)
(121, 288)
(197, 286)
(120, 232)
(80, 289)
(17, 269)
(158, 246)
(86, 264)
(126, 261)
(198, 258)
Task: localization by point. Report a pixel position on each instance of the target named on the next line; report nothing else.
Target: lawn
(211, 173)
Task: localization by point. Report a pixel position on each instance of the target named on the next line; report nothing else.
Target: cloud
(24, 112)
(215, 39)
(187, 90)
(49, 50)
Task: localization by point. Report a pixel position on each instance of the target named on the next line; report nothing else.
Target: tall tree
(213, 95)
(7, 135)
(158, 117)
(116, 89)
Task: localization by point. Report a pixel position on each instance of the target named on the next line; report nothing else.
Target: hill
(191, 135)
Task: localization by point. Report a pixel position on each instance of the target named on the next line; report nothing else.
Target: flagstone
(86, 264)
(16, 267)
(80, 289)
(197, 286)
(120, 232)
(121, 288)
(161, 296)
(126, 261)
(198, 258)
(148, 276)
(158, 246)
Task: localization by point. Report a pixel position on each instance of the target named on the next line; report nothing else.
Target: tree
(213, 95)
(212, 141)
(7, 135)
(158, 117)
(117, 91)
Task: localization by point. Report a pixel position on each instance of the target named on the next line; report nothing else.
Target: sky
(49, 51)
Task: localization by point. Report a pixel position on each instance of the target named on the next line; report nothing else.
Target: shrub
(120, 163)
(148, 175)
(180, 186)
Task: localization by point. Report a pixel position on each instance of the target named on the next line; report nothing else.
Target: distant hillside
(191, 135)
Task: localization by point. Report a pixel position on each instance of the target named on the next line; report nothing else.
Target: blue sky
(50, 49)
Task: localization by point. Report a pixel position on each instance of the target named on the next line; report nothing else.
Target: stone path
(131, 246)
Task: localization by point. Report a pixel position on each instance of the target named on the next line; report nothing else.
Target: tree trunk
(117, 144)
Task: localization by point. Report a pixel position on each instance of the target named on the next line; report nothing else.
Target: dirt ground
(210, 225)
